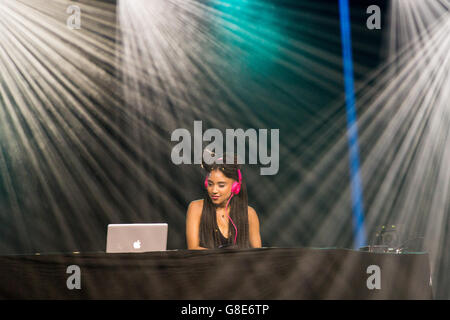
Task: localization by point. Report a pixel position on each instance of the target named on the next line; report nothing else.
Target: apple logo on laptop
(137, 244)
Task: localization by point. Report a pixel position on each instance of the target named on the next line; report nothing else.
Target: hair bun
(224, 162)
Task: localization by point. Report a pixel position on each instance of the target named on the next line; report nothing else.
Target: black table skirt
(266, 273)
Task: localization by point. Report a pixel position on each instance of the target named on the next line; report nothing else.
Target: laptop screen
(136, 237)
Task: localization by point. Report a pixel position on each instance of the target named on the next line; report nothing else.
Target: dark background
(258, 84)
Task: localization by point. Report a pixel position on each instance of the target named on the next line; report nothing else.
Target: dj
(223, 218)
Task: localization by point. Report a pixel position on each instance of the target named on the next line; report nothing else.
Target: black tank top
(223, 242)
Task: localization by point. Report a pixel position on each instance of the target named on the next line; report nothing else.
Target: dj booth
(223, 274)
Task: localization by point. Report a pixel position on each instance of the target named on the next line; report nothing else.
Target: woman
(223, 218)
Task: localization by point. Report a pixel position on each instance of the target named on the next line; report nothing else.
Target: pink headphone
(235, 187)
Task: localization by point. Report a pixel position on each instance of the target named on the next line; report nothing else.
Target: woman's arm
(193, 216)
(253, 225)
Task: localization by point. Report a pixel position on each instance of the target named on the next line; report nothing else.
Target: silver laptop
(136, 237)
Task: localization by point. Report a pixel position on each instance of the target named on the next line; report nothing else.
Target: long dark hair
(238, 209)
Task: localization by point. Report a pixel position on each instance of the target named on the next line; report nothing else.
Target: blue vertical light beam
(352, 134)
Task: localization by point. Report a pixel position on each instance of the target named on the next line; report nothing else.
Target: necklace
(223, 215)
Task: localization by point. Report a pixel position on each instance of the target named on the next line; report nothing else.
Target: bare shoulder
(251, 212)
(196, 203)
(196, 206)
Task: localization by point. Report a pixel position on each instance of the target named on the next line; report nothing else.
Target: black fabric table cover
(223, 274)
